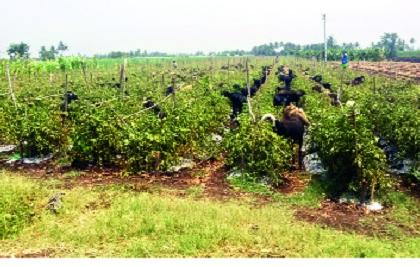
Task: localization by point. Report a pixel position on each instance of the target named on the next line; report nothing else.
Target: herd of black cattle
(239, 96)
(291, 126)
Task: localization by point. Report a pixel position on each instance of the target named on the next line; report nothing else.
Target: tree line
(388, 47)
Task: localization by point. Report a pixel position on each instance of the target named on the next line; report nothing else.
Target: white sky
(99, 26)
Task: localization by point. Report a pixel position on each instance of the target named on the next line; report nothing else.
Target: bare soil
(354, 218)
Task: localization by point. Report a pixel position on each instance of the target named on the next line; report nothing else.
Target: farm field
(399, 70)
(155, 158)
(391, 69)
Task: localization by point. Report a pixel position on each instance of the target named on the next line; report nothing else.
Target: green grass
(247, 183)
(18, 200)
(109, 222)
(310, 197)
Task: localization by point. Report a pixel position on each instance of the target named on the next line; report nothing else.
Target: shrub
(256, 149)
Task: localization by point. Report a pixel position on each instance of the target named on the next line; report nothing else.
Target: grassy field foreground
(110, 221)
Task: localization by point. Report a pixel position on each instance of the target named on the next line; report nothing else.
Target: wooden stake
(341, 85)
(122, 78)
(228, 76)
(84, 74)
(249, 92)
(66, 85)
(12, 94)
(174, 90)
(374, 84)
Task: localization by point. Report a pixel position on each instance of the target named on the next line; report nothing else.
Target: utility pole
(324, 18)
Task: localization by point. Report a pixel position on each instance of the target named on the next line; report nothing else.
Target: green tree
(50, 54)
(61, 48)
(390, 43)
(18, 51)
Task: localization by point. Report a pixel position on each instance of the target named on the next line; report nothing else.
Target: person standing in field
(344, 60)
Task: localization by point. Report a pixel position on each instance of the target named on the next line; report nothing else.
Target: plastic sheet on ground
(396, 166)
(313, 164)
(7, 148)
(216, 138)
(348, 198)
(374, 206)
(402, 166)
(184, 164)
(234, 174)
(34, 160)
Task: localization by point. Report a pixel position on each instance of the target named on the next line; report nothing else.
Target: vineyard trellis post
(340, 90)
(173, 86)
(84, 74)
(66, 84)
(12, 94)
(374, 84)
(249, 92)
(228, 69)
(173, 93)
(324, 18)
(123, 68)
(65, 129)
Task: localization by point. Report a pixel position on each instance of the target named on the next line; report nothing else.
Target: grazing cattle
(170, 90)
(326, 85)
(287, 79)
(334, 99)
(69, 97)
(358, 80)
(317, 78)
(263, 79)
(148, 103)
(257, 83)
(292, 111)
(237, 100)
(253, 90)
(286, 97)
(113, 83)
(280, 70)
(292, 128)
